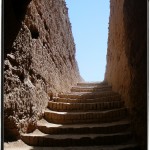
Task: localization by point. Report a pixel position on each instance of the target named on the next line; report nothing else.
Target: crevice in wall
(34, 32)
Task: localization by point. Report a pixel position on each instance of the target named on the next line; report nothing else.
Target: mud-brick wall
(39, 59)
(126, 67)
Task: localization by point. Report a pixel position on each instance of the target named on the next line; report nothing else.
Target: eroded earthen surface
(39, 60)
(126, 67)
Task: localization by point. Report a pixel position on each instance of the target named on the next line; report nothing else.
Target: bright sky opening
(89, 21)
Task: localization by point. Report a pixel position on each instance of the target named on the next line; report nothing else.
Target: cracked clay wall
(39, 60)
(126, 68)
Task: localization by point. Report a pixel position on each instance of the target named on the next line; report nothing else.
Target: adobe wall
(126, 68)
(39, 60)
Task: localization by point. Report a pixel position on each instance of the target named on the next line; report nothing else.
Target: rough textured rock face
(39, 60)
(126, 67)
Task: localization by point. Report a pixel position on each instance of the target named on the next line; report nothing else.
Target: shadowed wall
(126, 68)
(39, 60)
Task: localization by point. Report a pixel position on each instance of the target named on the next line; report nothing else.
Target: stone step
(90, 89)
(59, 106)
(87, 95)
(23, 146)
(96, 84)
(85, 117)
(103, 128)
(92, 100)
(38, 138)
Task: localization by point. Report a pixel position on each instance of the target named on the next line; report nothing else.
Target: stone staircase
(90, 115)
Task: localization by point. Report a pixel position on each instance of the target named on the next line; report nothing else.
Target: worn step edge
(113, 127)
(88, 94)
(126, 146)
(102, 99)
(85, 117)
(60, 106)
(90, 89)
(98, 84)
(38, 138)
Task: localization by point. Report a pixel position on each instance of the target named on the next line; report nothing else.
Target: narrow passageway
(46, 103)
